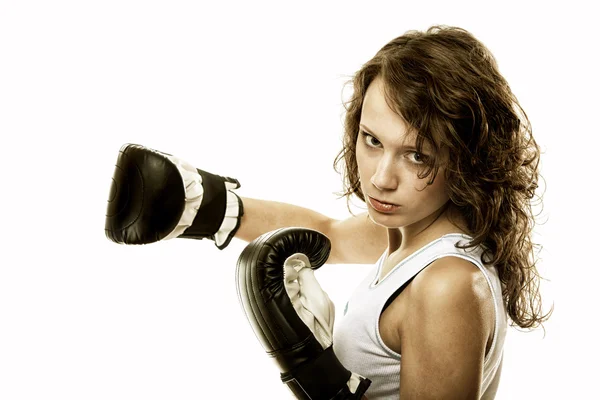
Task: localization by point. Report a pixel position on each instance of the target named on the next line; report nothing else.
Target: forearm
(262, 216)
(355, 240)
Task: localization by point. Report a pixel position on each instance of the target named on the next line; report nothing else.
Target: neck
(423, 231)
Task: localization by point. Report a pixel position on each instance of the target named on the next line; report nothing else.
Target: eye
(416, 157)
(370, 140)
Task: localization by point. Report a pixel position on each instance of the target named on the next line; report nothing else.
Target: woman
(438, 147)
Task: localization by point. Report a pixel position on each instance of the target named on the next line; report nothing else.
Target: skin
(388, 166)
(442, 323)
(445, 316)
(354, 240)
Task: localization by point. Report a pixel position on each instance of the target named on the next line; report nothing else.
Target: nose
(385, 177)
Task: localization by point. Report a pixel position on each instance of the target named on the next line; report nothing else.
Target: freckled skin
(414, 324)
(388, 168)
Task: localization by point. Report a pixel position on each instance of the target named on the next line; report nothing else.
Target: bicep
(443, 348)
(356, 240)
(445, 362)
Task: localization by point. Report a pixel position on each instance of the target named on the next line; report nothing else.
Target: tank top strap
(409, 267)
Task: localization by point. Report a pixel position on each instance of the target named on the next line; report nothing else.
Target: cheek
(434, 194)
(361, 162)
(438, 192)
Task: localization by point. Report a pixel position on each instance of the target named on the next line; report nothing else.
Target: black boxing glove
(292, 316)
(156, 196)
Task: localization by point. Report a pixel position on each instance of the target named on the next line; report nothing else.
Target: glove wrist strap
(212, 211)
(322, 378)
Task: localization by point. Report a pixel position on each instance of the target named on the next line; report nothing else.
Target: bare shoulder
(453, 289)
(449, 323)
(454, 278)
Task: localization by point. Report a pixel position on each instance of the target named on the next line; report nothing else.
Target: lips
(382, 206)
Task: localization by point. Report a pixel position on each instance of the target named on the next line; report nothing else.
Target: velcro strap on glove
(332, 376)
(211, 216)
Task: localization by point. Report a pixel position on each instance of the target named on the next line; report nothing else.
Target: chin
(386, 220)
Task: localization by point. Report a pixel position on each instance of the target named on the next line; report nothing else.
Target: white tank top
(357, 341)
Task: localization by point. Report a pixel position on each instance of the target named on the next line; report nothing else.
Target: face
(389, 164)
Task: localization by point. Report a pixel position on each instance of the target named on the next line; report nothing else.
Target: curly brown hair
(446, 85)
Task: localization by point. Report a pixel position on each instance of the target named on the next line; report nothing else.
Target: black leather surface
(146, 198)
(310, 371)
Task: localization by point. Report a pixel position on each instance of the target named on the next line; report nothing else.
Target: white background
(251, 90)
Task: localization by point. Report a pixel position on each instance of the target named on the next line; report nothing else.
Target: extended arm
(355, 240)
(157, 196)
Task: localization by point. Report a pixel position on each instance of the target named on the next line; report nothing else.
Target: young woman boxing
(439, 149)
